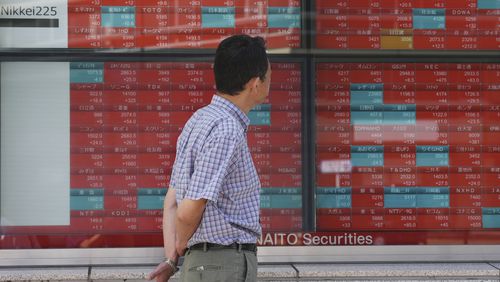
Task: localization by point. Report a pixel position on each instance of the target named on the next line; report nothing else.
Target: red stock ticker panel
(408, 24)
(409, 148)
(181, 24)
(125, 119)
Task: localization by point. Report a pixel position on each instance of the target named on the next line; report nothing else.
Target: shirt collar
(236, 112)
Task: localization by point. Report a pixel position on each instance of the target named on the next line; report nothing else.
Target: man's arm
(210, 169)
(188, 219)
(169, 214)
(163, 271)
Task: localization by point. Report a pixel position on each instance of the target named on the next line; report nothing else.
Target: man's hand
(162, 273)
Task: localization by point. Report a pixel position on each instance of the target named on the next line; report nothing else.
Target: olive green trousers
(219, 265)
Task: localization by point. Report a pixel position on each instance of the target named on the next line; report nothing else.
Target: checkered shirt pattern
(213, 162)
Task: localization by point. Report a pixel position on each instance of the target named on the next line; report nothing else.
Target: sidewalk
(284, 272)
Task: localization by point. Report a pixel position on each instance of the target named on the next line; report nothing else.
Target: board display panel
(408, 24)
(409, 152)
(180, 24)
(124, 120)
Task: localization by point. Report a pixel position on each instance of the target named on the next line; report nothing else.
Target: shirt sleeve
(211, 168)
(174, 173)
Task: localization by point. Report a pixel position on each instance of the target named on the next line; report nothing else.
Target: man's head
(238, 60)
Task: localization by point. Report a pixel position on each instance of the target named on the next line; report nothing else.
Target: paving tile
(276, 271)
(407, 272)
(399, 280)
(421, 270)
(497, 266)
(119, 273)
(128, 273)
(46, 273)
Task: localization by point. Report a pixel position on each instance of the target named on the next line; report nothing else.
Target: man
(211, 210)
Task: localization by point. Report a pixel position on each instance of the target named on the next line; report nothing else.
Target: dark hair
(238, 59)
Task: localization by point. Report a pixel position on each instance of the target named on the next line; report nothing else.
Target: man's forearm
(169, 214)
(188, 219)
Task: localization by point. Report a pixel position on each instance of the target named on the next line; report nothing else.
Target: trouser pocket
(223, 265)
(251, 266)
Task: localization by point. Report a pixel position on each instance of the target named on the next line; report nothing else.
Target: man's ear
(252, 83)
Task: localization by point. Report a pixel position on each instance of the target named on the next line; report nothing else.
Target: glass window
(87, 148)
(381, 127)
(408, 152)
(148, 24)
(408, 25)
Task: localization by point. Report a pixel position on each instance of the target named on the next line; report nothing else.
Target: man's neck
(239, 101)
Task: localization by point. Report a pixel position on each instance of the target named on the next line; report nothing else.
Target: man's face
(263, 88)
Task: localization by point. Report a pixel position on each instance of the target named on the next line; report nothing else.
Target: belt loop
(205, 246)
(239, 247)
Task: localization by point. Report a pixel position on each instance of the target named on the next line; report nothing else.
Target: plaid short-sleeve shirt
(213, 162)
